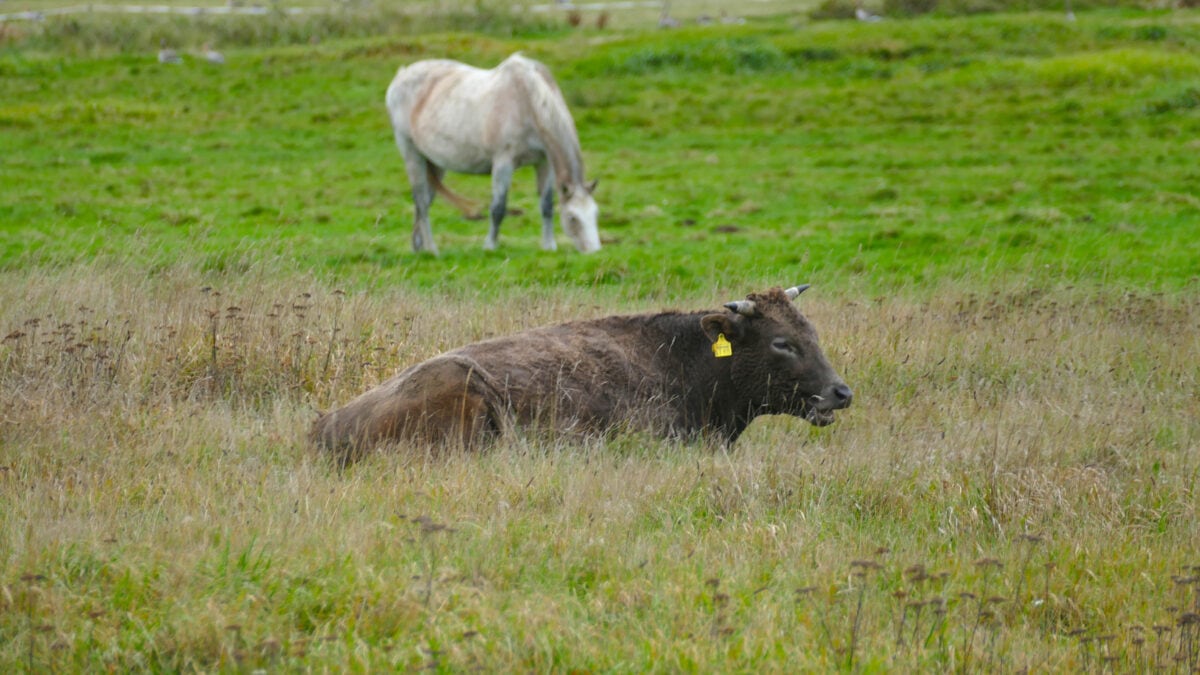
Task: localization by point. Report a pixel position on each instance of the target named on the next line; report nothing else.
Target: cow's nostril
(843, 393)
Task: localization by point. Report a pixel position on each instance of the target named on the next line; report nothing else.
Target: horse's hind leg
(418, 169)
(502, 172)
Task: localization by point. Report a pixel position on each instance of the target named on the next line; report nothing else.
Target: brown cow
(674, 374)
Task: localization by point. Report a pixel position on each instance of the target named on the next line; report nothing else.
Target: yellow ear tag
(722, 348)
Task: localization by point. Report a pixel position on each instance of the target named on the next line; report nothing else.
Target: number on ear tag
(722, 348)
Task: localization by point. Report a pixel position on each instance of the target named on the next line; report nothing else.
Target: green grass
(999, 217)
(889, 154)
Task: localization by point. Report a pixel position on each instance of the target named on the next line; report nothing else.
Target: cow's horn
(742, 307)
(796, 290)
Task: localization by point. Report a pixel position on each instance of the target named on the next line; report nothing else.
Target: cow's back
(576, 376)
(582, 377)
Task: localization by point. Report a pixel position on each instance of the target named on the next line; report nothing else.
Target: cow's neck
(709, 396)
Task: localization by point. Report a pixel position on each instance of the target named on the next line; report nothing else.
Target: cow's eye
(782, 345)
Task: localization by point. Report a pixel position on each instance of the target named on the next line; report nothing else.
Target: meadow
(998, 215)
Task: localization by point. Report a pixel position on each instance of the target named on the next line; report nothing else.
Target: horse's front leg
(502, 173)
(545, 188)
(422, 237)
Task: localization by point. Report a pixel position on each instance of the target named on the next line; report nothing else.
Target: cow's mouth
(818, 418)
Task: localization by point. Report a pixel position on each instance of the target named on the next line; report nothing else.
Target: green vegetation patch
(885, 155)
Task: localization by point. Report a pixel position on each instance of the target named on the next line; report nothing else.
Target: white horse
(448, 116)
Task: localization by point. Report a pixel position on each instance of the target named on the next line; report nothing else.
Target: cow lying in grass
(674, 374)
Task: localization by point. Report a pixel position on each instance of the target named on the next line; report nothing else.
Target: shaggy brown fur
(656, 372)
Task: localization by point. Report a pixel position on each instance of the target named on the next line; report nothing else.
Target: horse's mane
(553, 119)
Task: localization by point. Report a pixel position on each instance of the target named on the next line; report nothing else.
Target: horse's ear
(591, 187)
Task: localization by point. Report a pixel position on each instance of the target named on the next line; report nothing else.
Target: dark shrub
(833, 10)
(908, 7)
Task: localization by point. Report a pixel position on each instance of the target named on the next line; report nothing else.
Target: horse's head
(578, 214)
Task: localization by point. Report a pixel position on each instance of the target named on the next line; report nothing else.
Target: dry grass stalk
(162, 491)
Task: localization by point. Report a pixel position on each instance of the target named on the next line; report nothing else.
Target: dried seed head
(269, 646)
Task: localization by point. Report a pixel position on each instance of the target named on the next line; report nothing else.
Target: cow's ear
(729, 325)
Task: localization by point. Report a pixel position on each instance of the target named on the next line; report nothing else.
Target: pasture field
(999, 217)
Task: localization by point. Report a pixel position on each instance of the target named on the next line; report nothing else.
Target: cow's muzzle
(835, 397)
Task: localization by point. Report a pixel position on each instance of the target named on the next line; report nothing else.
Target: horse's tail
(469, 208)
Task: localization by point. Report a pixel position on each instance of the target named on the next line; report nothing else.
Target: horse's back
(465, 119)
(412, 79)
(455, 79)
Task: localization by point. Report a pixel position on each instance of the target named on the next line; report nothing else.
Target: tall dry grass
(1015, 488)
(99, 29)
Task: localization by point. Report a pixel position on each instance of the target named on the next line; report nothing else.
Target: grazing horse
(448, 116)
